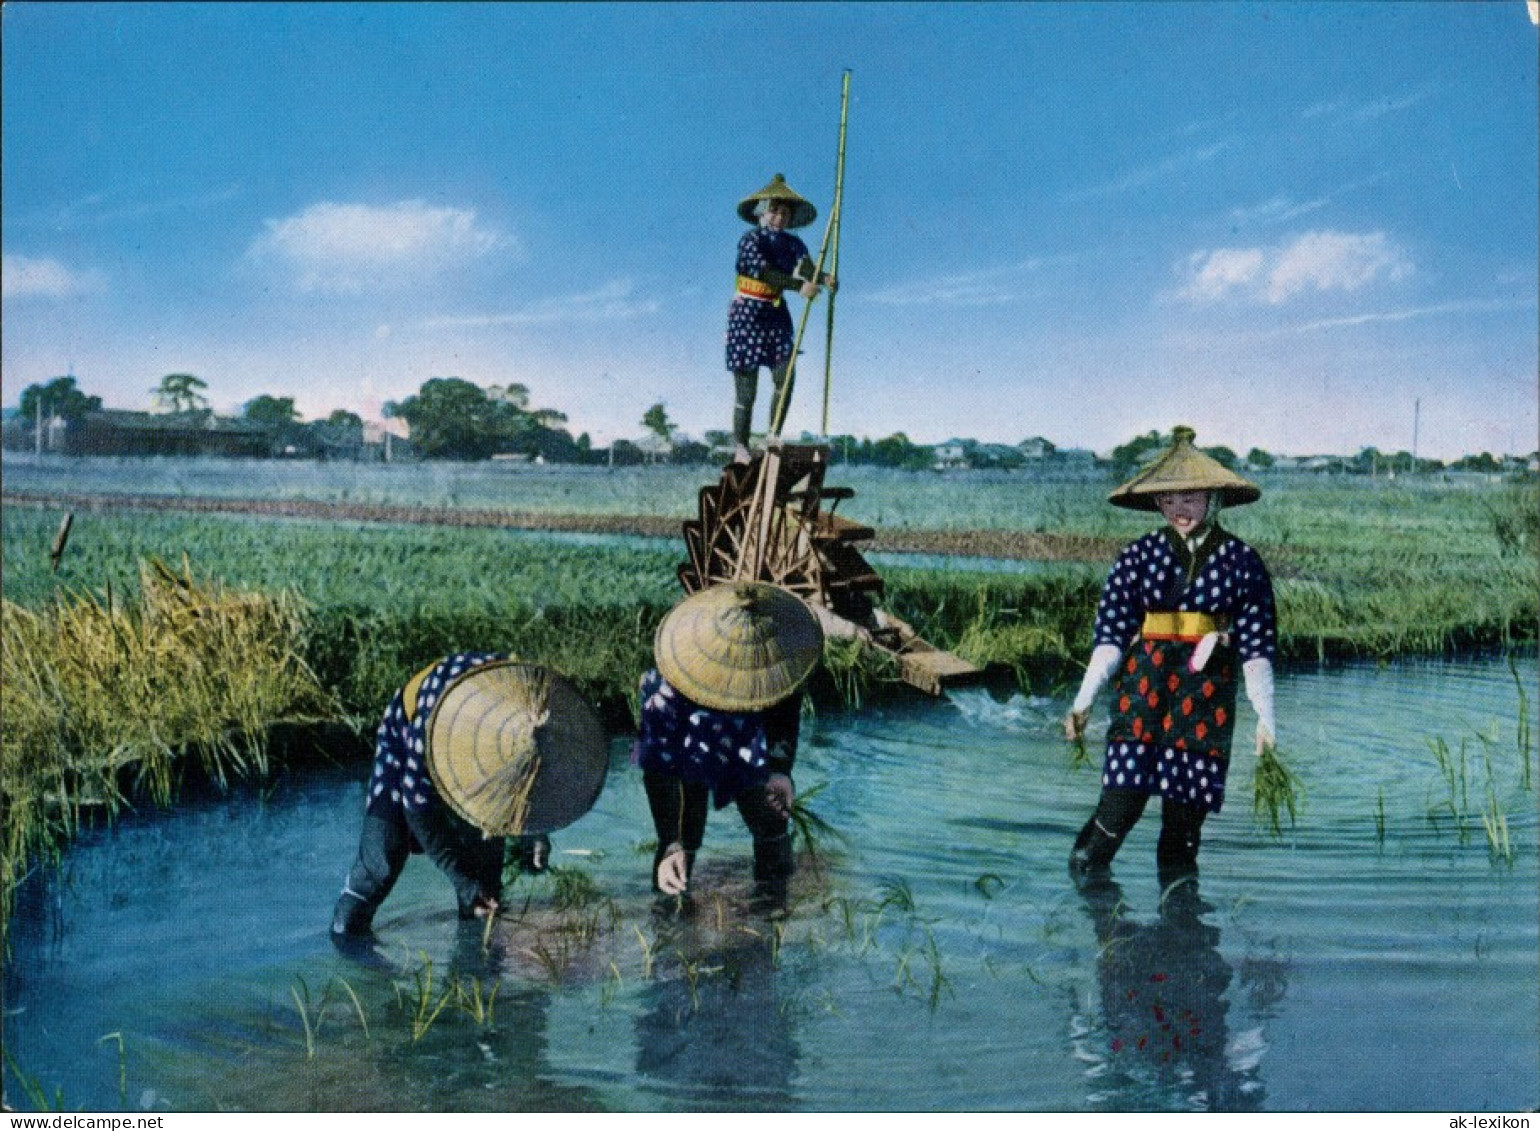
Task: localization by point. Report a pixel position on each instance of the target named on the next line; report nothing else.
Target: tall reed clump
(106, 698)
(853, 670)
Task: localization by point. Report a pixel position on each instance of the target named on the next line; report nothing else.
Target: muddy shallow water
(1377, 957)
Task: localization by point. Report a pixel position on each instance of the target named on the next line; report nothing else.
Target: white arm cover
(1259, 689)
(1104, 658)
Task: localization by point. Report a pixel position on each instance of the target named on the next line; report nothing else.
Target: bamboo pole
(783, 401)
(834, 263)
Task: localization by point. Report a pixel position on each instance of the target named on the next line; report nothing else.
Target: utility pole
(1416, 425)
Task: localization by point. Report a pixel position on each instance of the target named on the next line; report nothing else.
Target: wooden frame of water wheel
(765, 520)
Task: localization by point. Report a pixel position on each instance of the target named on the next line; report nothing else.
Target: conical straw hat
(802, 210)
(1182, 467)
(513, 748)
(740, 646)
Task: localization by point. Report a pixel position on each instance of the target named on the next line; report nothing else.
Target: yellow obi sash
(753, 288)
(1188, 627)
(413, 686)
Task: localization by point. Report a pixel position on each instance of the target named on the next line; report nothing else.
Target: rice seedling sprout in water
(32, 1087)
(302, 1003)
(1523, 734)
(476, 1000)
(358, 1006)
(417, 999)
(812, 829)
(1494, 818)
(647, 952)
(989, 885)
(1454, 773)
(122, 1064)
(612, 985)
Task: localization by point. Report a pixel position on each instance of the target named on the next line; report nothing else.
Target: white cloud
(1152, 173)
(988, 287)
(1315, 261)
(1341, 110)
(613, 301)
(24, 277)
(355, 247)
(1277, 210)
(1215, 273)
(1413, 313)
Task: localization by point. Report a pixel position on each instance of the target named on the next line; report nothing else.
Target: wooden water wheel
(773, 519)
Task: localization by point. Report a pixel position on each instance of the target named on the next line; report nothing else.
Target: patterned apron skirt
(1172, 726)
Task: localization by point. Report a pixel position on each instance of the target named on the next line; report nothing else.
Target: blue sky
(1288, 225)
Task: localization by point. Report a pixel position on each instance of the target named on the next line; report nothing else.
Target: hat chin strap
(1216, 504)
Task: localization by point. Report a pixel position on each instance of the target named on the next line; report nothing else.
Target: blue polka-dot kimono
(759, 331)
(400, 779)
(725, 750)
(1173, 702)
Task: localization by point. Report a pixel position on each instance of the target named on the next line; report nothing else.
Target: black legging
(473, 862)
(745, 389)
(679, 810)
(1118, 810)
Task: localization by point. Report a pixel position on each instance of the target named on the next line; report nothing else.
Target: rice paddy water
(1379, 954)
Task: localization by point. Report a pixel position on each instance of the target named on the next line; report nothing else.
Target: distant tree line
(452, 418)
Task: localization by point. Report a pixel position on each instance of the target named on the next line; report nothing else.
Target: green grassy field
(1363, 567)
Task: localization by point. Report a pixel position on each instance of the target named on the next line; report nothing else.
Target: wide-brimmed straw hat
(739, 646)
(513, 748)
(802, 210)
(1182, 467)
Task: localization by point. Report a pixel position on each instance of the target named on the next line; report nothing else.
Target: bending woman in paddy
(1186, 613)
(475, 751)
(720, 718)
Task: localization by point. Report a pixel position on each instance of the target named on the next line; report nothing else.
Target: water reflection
(1164, 1039)
(714, 1028)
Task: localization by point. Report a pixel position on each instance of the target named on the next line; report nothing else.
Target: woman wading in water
(1186, 612)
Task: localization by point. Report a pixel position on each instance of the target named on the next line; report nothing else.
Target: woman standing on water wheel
(770, 261)
(1182, 609)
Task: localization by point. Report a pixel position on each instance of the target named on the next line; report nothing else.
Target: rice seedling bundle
(1275, 790)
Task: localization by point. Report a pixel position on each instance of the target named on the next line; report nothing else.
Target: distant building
(952, 454)
(1075, 457)
(1319, 463)
(1004, 456)
(654, 448)
(115, 432)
